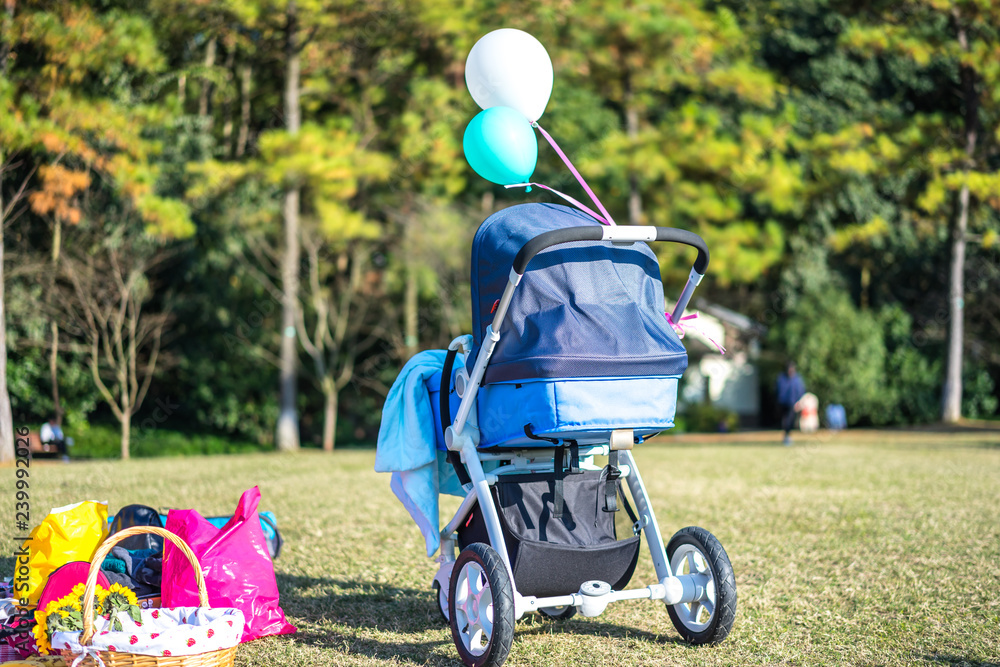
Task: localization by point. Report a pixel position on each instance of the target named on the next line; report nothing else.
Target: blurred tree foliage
(820, 147)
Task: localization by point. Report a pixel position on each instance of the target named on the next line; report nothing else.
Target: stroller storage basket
(554, 556)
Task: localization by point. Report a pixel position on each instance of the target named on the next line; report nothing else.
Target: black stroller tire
(481, 607)
(442, 601)
(708, 621)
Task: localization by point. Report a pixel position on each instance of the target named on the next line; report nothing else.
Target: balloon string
(565, 196)
(680, 327)
(579, 178)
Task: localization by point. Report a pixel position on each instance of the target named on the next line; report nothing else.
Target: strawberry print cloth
(162, 632)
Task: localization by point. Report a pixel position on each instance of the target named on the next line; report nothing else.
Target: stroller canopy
(587, 309)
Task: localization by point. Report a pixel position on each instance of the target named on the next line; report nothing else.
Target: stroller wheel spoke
(694, 612)
(692, 563)
(484, 606)
(479, 638)
(484, 629)
(477, 582)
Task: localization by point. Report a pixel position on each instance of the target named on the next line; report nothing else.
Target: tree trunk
(410, 312)
(288, 420)
(6, 418)
(330, 418)
(951, 398)
(227, 106)
(206, 84)
(245, 81)
(634, 195)
(631, 131)
(952, 395)
(54, 325)
(866, 280)
(4, 46)
(411, 339)
(126, 433)
(54, 372)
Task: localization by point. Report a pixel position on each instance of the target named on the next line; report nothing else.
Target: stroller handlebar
(621, 234)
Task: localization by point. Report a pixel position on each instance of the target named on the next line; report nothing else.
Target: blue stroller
(571, 358)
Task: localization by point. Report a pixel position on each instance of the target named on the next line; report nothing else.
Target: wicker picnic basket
(221, 658)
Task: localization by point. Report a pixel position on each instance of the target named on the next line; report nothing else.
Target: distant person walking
(52, 434)
(790, 390)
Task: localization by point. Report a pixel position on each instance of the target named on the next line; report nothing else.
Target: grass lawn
(868, 548)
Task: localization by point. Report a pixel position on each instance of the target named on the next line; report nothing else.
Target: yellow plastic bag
(67, 534)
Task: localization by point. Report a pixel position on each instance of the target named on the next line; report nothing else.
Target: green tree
(73, 112)
(959, 39)
(701, 137)
(326, 164)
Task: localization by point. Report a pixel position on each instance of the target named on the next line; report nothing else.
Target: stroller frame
(693, 572)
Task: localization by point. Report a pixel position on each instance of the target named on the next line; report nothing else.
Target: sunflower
(66, 613)
(117, 596)
(61, 614)
(41, 633)
(118, 599)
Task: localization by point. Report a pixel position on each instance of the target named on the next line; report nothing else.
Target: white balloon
(510, 68)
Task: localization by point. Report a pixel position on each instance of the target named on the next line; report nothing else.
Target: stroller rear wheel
(559, 613)
(481, 607)
(694, 550)
(442, 600)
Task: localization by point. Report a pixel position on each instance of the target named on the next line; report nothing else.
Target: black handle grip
(687, 238)
(594, 233)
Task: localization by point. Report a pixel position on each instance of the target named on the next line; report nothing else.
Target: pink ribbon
(565, 196)
(607, 219)
(681, 329)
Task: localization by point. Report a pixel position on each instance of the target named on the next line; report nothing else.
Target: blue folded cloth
(407, 447)
(137, 569)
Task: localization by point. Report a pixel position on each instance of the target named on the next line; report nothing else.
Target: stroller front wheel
(481, 607)
(694, 550)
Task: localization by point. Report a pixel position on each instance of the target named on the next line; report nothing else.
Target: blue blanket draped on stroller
(408, 447)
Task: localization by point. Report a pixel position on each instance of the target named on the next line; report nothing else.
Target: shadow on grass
(579, 626)
(383, 608)
(417, 653)
(957, 661)
(359, 604)
(965, 426)
(984, 445)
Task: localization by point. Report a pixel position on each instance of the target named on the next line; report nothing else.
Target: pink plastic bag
(236, 564)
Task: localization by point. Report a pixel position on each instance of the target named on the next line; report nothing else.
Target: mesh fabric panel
(589, 309)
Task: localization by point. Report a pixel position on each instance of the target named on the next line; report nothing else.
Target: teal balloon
(501, 146)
